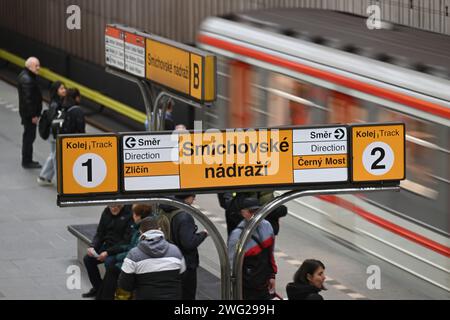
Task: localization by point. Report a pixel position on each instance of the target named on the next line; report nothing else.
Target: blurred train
(306, 66)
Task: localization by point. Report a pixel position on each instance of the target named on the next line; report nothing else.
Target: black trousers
(91, 265)
(28, 137)
(255, 294)
(109, 284)
(189, 284)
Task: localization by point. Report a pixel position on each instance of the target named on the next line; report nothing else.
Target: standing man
(30, 107)
(183, 233)
(259, 267)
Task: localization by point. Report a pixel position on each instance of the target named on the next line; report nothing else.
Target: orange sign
(181, 68)
(87, 164)
(378, 152)
(233, 159)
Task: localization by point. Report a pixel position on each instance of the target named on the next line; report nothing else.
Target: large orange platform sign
(87, 164)
(234, 158)
(378, 152)
(116, 166)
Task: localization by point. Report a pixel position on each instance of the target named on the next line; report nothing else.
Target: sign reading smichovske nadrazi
(214, 160)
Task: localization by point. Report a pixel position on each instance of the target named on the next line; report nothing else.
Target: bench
(84, 234)
(208, 285)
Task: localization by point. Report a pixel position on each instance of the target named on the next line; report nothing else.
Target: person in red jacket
(259, 267)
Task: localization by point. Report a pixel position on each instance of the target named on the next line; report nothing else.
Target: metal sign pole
(269, 207)
(158, 117)
(208, 224)
(143, 87)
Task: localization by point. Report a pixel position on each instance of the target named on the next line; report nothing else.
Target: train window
(421, 157)
(345, 109)
(239, 86)
(285, 98)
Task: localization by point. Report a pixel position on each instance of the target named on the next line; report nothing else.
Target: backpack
(256, 268)
(61, 122)
(44, 125)
(165, 221)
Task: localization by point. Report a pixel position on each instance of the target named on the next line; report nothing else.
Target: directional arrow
(339, 133)
(130, 142)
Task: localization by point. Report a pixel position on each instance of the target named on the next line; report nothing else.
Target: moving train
(284, 67)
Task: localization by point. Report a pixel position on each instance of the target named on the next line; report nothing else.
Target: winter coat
(153, 269)
(301, 291)
(259, 262)
(30, 96)
(112, 232)
(183, 233)
(75, 120)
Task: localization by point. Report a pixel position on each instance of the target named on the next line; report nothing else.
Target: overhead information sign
(181, 68)
(114, 47)
(135, 54)
(320, 155)
(87, 164)
(214, 160)
(234, 158)
(186, 70)
(378, 152)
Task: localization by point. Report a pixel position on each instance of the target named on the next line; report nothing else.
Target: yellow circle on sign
(89, 164)
(378, 152)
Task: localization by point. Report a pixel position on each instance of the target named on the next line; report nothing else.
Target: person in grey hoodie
(153, 269)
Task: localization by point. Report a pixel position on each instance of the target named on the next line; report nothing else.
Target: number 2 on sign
(376, 165)
(378, 158)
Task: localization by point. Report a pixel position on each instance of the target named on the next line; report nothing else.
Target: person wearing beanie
(153, 269)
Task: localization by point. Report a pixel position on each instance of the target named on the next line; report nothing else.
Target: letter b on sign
(196, 76)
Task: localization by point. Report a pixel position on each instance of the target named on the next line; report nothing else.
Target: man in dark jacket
(109, 239)
(259, 267)
(30, 107)
(183, 233)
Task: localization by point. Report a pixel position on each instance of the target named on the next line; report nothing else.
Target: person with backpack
(259, 268)
(230, 202)
(70, 119)
(57, 95)
(183, 233)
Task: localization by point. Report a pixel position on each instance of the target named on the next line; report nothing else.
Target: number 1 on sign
(88, 164)
(89, 170)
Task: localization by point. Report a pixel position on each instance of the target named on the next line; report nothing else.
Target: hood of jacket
(153, 243)
(297, 290)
